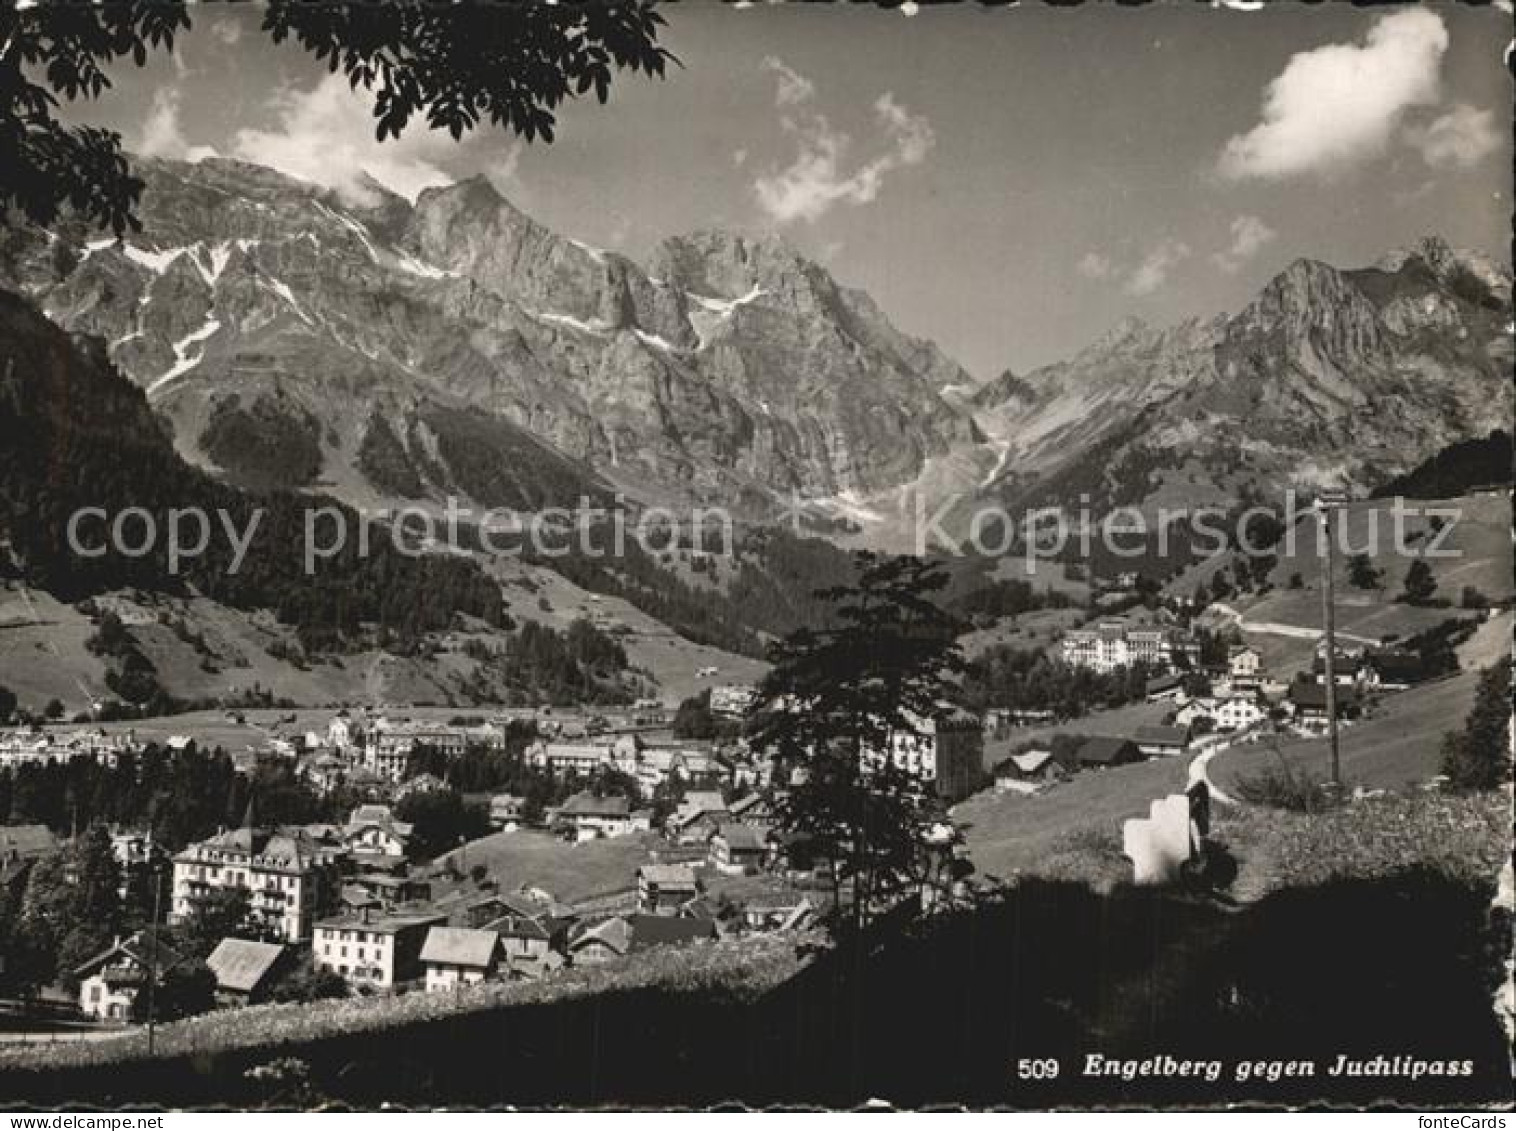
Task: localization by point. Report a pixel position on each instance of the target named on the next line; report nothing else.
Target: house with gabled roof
(110, 981)
(589, 817)
(1100, 751)
(590, 944)
(245, 970)
(698, 815)
(533, 937)
(459, 956)
(377, 950)
(375, 838)
(1159, 741)
(737, 849)
(663, 888)
(1026, 770)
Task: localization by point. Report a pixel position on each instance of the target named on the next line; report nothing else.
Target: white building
(110, 982)
(290, 877)
(577, 758)
(946, 751)
(1113, 644)
(732, 700)
(376, 950)
(1238, 712)
(1244, 665)
(375, 838)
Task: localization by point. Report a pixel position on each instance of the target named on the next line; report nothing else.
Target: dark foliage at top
(455, 66)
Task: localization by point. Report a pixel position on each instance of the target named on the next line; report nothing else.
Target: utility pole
(152, 962)
(1326, 504)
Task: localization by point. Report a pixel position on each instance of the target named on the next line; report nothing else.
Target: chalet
(375, 839)
(244, 970)
(1308, 702)
(1244, 665)
(389, 890)
(1158, 741)
(590, 944)
(663, 888)
(589, 817)
(1026, 771)
(1101, 751)
(471, 907)
(783, 916)
(628, 934)
(110, 981)
(377, 951)
(507, 812)
(649, 931)
(532, 938)
(699, 814)
(737, 849)
(459, 956)
(1204, 707)
(1238, 712)
(1394, 669)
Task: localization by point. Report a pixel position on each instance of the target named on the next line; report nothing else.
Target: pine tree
(1479, 756)
(828, 709)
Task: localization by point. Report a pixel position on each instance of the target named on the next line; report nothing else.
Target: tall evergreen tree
(828, 710)
(1478, 757)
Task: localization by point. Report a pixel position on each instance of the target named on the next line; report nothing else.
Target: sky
(1007, 182)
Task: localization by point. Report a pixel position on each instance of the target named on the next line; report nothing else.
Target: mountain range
(407, 351)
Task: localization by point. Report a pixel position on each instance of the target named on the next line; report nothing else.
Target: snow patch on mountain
(184, 361)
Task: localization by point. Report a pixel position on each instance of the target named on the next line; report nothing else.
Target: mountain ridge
(429, 339)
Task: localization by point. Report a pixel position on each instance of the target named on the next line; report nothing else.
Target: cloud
(161, 134)
(794, 88)
(739, 158)
(1339, 104)
(1460, 138)
(227, 32)
(1095, 266)
(1153, 272)
(326, 135)
(819, 177)
(1249, 235)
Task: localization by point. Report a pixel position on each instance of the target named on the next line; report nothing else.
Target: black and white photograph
(620, 556)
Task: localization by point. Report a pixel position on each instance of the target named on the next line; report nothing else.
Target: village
(671, 840)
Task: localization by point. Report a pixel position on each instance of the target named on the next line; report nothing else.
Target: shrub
(1466, 839)
(1281, 788)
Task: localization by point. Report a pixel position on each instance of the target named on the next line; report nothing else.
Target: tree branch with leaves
(455, 65)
